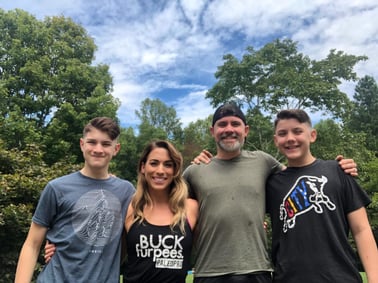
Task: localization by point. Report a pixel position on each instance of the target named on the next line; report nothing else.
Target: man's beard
(236, 146)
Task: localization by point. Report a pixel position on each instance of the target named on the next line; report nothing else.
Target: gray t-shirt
(229, 236)
(85, 218)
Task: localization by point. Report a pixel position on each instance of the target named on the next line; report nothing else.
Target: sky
(171, 49)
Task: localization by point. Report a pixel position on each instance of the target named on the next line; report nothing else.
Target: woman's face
(158, 169)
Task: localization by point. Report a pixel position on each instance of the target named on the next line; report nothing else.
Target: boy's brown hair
(103, 124)
(298, 114)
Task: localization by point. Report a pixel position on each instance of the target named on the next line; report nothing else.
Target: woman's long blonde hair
(178, 188)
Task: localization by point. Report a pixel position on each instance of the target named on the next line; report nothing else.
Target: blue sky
(171, 49)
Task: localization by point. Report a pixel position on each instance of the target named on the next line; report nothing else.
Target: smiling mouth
(159, 180)
(291, 147)
(229, 138)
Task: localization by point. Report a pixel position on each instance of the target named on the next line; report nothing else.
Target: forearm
(367, 250)
(26, 264)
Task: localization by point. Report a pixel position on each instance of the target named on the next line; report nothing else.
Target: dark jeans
(258, 277)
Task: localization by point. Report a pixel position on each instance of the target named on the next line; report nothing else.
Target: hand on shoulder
(204, 157)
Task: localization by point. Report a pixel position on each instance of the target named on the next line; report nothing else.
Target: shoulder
(191, 204)
(69, 177)
(127, 184)
(194, 168)
(262, 157)
(326, 162)
(257, 154)
(329, 164)
(66, 181)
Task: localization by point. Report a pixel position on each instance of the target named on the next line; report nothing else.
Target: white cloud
(152, 46)
(193, 107)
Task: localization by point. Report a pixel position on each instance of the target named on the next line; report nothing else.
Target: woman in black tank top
(160, 219)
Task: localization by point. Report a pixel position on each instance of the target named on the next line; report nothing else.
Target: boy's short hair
(298, 114)
(103, 124)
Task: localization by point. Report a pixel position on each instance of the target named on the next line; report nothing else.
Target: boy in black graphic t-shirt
(313, 204)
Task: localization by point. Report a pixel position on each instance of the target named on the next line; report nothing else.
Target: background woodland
(50, 88)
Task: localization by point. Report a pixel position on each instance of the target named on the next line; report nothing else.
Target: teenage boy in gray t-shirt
(83, 215)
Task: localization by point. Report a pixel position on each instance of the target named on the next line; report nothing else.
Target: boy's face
(98, 149)
(293, 139)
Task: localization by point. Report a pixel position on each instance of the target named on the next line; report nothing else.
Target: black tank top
(157, 254)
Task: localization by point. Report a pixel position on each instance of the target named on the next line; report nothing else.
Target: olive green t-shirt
(229, 236)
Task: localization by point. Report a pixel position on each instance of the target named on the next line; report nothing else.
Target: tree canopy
(277, 76)
(48, 82)
(363, 117)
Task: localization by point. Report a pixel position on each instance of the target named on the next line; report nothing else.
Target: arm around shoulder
(29, 253)
(366, 245)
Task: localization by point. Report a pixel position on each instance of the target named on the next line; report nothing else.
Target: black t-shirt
(309, 207)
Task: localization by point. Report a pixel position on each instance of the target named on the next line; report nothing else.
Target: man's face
(229, 133)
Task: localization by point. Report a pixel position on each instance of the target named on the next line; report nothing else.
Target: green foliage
(14, 224)
(278, 76)
(154, 114)
(334, 139)
(260, 135)
(48, 84)
(124, 165)
(364, 116)
(21, 182)
(369, 181)
(196, 138)
(17, 130)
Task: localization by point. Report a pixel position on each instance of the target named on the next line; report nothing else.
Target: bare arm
(192, 212)
(29, 253)
(366, 246)
(128, 222)
(348, 165)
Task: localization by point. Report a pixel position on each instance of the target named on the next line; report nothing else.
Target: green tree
(23, 175)
(261, 132)
(17, 130)
(124, 165)
(48, 80)
(278, 76)
(364, 116)
(334, 138)
(369, 182)
(197, 137)
(158, 121)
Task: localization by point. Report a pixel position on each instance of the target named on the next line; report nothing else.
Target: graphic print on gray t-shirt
(94, 216)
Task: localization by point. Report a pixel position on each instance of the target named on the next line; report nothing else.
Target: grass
(189, 278)
(363, 275)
